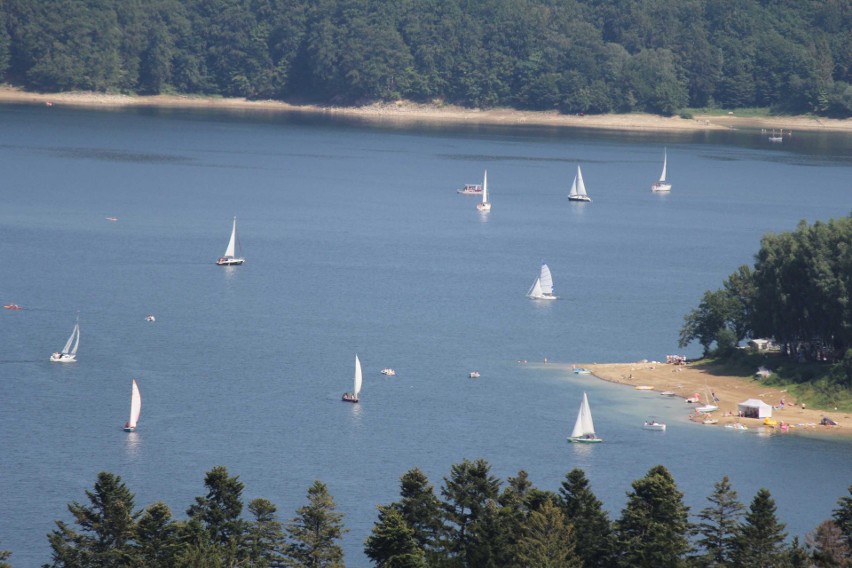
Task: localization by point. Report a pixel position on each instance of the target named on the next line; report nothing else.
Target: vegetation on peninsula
(574, 56)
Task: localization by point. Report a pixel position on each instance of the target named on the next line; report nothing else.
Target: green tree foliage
(421, 510)
(156, 536)
(760, 539)
(392, 543)
(467, 492)
(827, 546)
(547, 540)
(574, 56)
(842, 516)
(265, 539)
(717, 526)
(315, 531)
(592, 529)
(107, 526)
(4, 556)
(654, 525)
(219, 513)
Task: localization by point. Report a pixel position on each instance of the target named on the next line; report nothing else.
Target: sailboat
(229, 259)
(776, 137)
(69, 352)
(662, 184)
(578, 188)
(542, 288)
(484, 205)
(353, 396)
(135, 408)
(584, 428)
(710, 406)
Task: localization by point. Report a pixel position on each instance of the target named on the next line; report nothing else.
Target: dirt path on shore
(413, 113)
(685, 380)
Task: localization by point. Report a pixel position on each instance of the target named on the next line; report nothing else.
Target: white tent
(755, 408)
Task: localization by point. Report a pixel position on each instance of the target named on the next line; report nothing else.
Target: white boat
(709, 407)
(471, 189)
(584, 428)
(150, 317)
(578, 188)
(69, 352)
(389, 372)
(229, 258)
(353, 396)
(542, 288)
(582, 371)
(736, 426)
(473, 374)
(484, 205)
(654, 425)
(662, 184)
(776, 137)
(135, 408)
(668, 393)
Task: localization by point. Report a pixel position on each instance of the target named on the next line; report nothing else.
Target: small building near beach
(754, 408)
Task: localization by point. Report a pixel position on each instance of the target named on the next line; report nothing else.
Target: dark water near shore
(356, 241)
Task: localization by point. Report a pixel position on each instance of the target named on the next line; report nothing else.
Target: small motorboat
(582, 371)
(111, 218)
(694, 398)
(389, 372)
(736, 426)
(708, 420)
(668, 393)
(474, 374)
(654, 425)
(644, 388)
(150, 317)
(471, 189)
(13, 307)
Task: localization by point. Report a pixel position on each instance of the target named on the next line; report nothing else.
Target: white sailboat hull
(584, 198)
(63, 358)
(483, 207)
(230, 261)
(661, 186)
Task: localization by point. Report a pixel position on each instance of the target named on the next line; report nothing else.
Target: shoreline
(684, 380)
(413, 113)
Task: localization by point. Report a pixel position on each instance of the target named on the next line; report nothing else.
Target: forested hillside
(589, 56)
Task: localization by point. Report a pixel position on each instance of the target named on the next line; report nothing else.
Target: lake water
(357, 242)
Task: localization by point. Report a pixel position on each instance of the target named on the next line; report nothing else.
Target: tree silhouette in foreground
(315, 531)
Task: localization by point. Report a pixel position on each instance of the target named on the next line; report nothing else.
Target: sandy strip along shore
(684, 380)
(413, 113)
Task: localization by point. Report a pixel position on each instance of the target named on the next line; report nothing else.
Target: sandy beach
(684, 380)
(413, 113)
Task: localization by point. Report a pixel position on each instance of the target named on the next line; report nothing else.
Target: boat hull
(585, 440)
(128, 429)
(230, 261)
(544, 297)
(483, 207)
(348, 397)
(66, 358)
(579, 198)
(661, 186)
(654, 427)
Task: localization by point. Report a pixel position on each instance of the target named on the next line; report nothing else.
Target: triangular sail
(229, 252)
(135, 406)
(584, 425)
(357, 376)
(581, 187)
(663, 175)
(485, 187)
(535, 290)
(73, 340)
(546, 280)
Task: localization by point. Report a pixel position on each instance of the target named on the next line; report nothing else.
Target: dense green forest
(576, 56)
(478, 522)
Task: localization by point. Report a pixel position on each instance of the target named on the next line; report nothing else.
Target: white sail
(584, 425)
(581, 187)
(535, 290)
(229, 252)
(663, 175)
(546, 280)
(357, 390)
(135, 406)
(73, 341)
(485, 187)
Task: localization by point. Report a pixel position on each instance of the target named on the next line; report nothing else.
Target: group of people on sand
(676, 359)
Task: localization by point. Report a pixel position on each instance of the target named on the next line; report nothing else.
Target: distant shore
(686, 380)
(407, 112)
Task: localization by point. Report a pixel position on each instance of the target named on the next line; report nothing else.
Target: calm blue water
(356, 242)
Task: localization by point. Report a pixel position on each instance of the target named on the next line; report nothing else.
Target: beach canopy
(755, 408)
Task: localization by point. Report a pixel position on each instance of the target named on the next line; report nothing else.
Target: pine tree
(219, 511)
(108, 527)
(843, 517)
(264, 536)
(760, 539)
(547, 540)
(421, 510)
(653, 527)
(718, 525)
(592, 529)
(156, 536)
(315, 531)
(392, 543)
(828, 546)
(466, 491)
